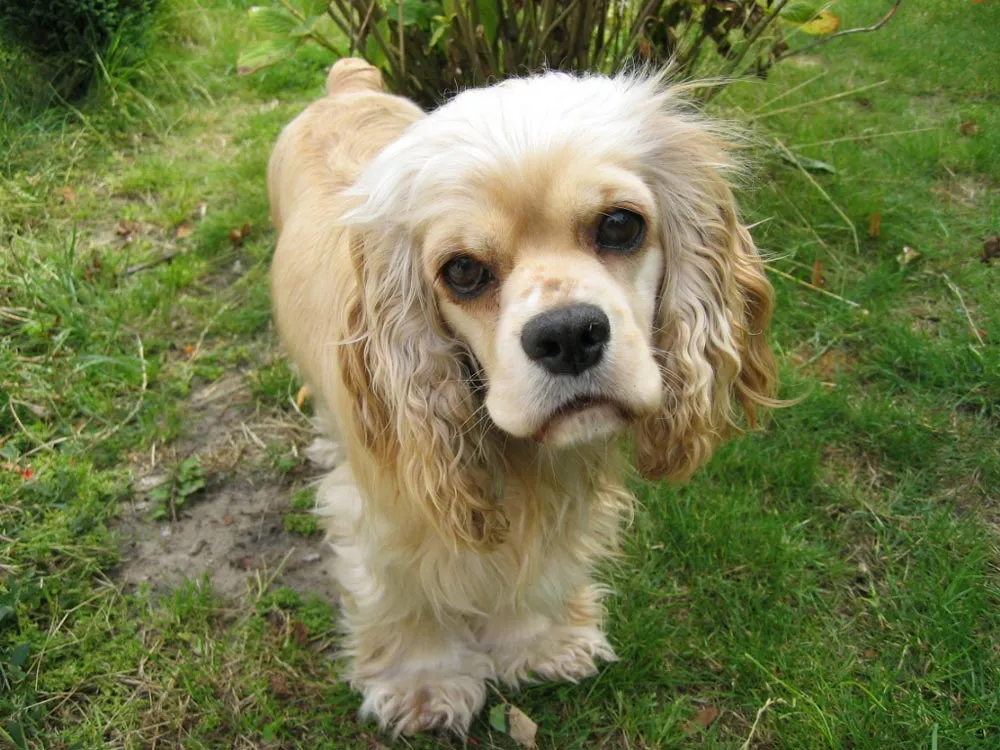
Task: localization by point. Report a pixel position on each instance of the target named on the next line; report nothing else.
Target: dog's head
(553, 259)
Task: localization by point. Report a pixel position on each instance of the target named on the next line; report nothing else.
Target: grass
(831, 581)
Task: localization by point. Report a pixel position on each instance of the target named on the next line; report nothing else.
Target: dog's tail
(353, 74)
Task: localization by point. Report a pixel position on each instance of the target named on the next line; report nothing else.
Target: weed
(171, 496)
(302, 524)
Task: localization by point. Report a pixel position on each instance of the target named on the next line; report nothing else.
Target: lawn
(830, 581)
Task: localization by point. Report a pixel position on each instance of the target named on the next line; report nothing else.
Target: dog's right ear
(414, 409)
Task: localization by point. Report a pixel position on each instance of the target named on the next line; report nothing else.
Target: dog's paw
(411, 706)
(563, 652)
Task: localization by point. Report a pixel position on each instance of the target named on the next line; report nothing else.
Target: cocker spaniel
(484, 300)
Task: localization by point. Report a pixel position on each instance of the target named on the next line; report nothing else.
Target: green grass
(830, 581)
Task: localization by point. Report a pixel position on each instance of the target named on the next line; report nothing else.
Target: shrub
(67, 38)
(427, 48)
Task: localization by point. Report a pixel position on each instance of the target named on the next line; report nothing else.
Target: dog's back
(324, 149)
(317, 156)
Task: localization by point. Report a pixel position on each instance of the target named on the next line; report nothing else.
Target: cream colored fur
(478, 494)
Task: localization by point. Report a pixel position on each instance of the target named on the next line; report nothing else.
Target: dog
(484, 301)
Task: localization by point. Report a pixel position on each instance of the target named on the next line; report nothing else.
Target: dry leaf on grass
(184, 229)
(513, 722)
(92, 269)
(818, 279)
(830, 364)
(301, 396)
(300, 633)
(821, 24)
(279, 686)
(875, 225)
(908, 256)
(704, 718)
(68, 194)
(236, 236)
(126, 228)
(991, 248)
(968, 128)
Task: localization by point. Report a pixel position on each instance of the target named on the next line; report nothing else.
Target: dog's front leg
(416, 672)
(564, 643)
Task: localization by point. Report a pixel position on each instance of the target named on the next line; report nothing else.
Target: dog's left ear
(715, 304)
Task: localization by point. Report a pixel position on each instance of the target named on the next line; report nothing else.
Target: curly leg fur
(529, 646)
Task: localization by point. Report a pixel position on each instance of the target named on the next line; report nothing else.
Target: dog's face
(552, 259)
(549, 273)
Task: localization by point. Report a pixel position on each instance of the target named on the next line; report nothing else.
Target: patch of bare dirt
(232, 530)
(234, 534)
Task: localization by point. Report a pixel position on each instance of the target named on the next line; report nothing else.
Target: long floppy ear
(414, 408)
(715, 303)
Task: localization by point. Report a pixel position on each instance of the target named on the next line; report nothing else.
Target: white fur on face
(517, 175)
(523, 398)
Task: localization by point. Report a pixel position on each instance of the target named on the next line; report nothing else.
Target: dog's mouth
(582, 419)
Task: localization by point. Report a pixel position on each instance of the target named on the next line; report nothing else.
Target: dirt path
(232, 530)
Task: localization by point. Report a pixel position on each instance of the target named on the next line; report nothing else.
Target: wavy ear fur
(715, 303)
(414, 409)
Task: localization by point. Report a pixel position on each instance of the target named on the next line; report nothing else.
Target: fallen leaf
(279, 686)
(817, 274)
(227, 519)
(968, 128)
(991, 248)
(908, 256)
(513, 722)
(822, 23)
(832, 362)
(522, 728)
(126, 228)
(68, 194)
(301, 396)
(92, 269)
(875, 225)
(706, 717)
(184, 229)
(236, 236)
(870, 653)
(245, 563)
(300, 633)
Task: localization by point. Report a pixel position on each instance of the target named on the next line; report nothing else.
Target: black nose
(567, 340)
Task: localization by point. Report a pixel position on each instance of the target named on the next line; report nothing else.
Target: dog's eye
(466, 277)
(620, 231)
